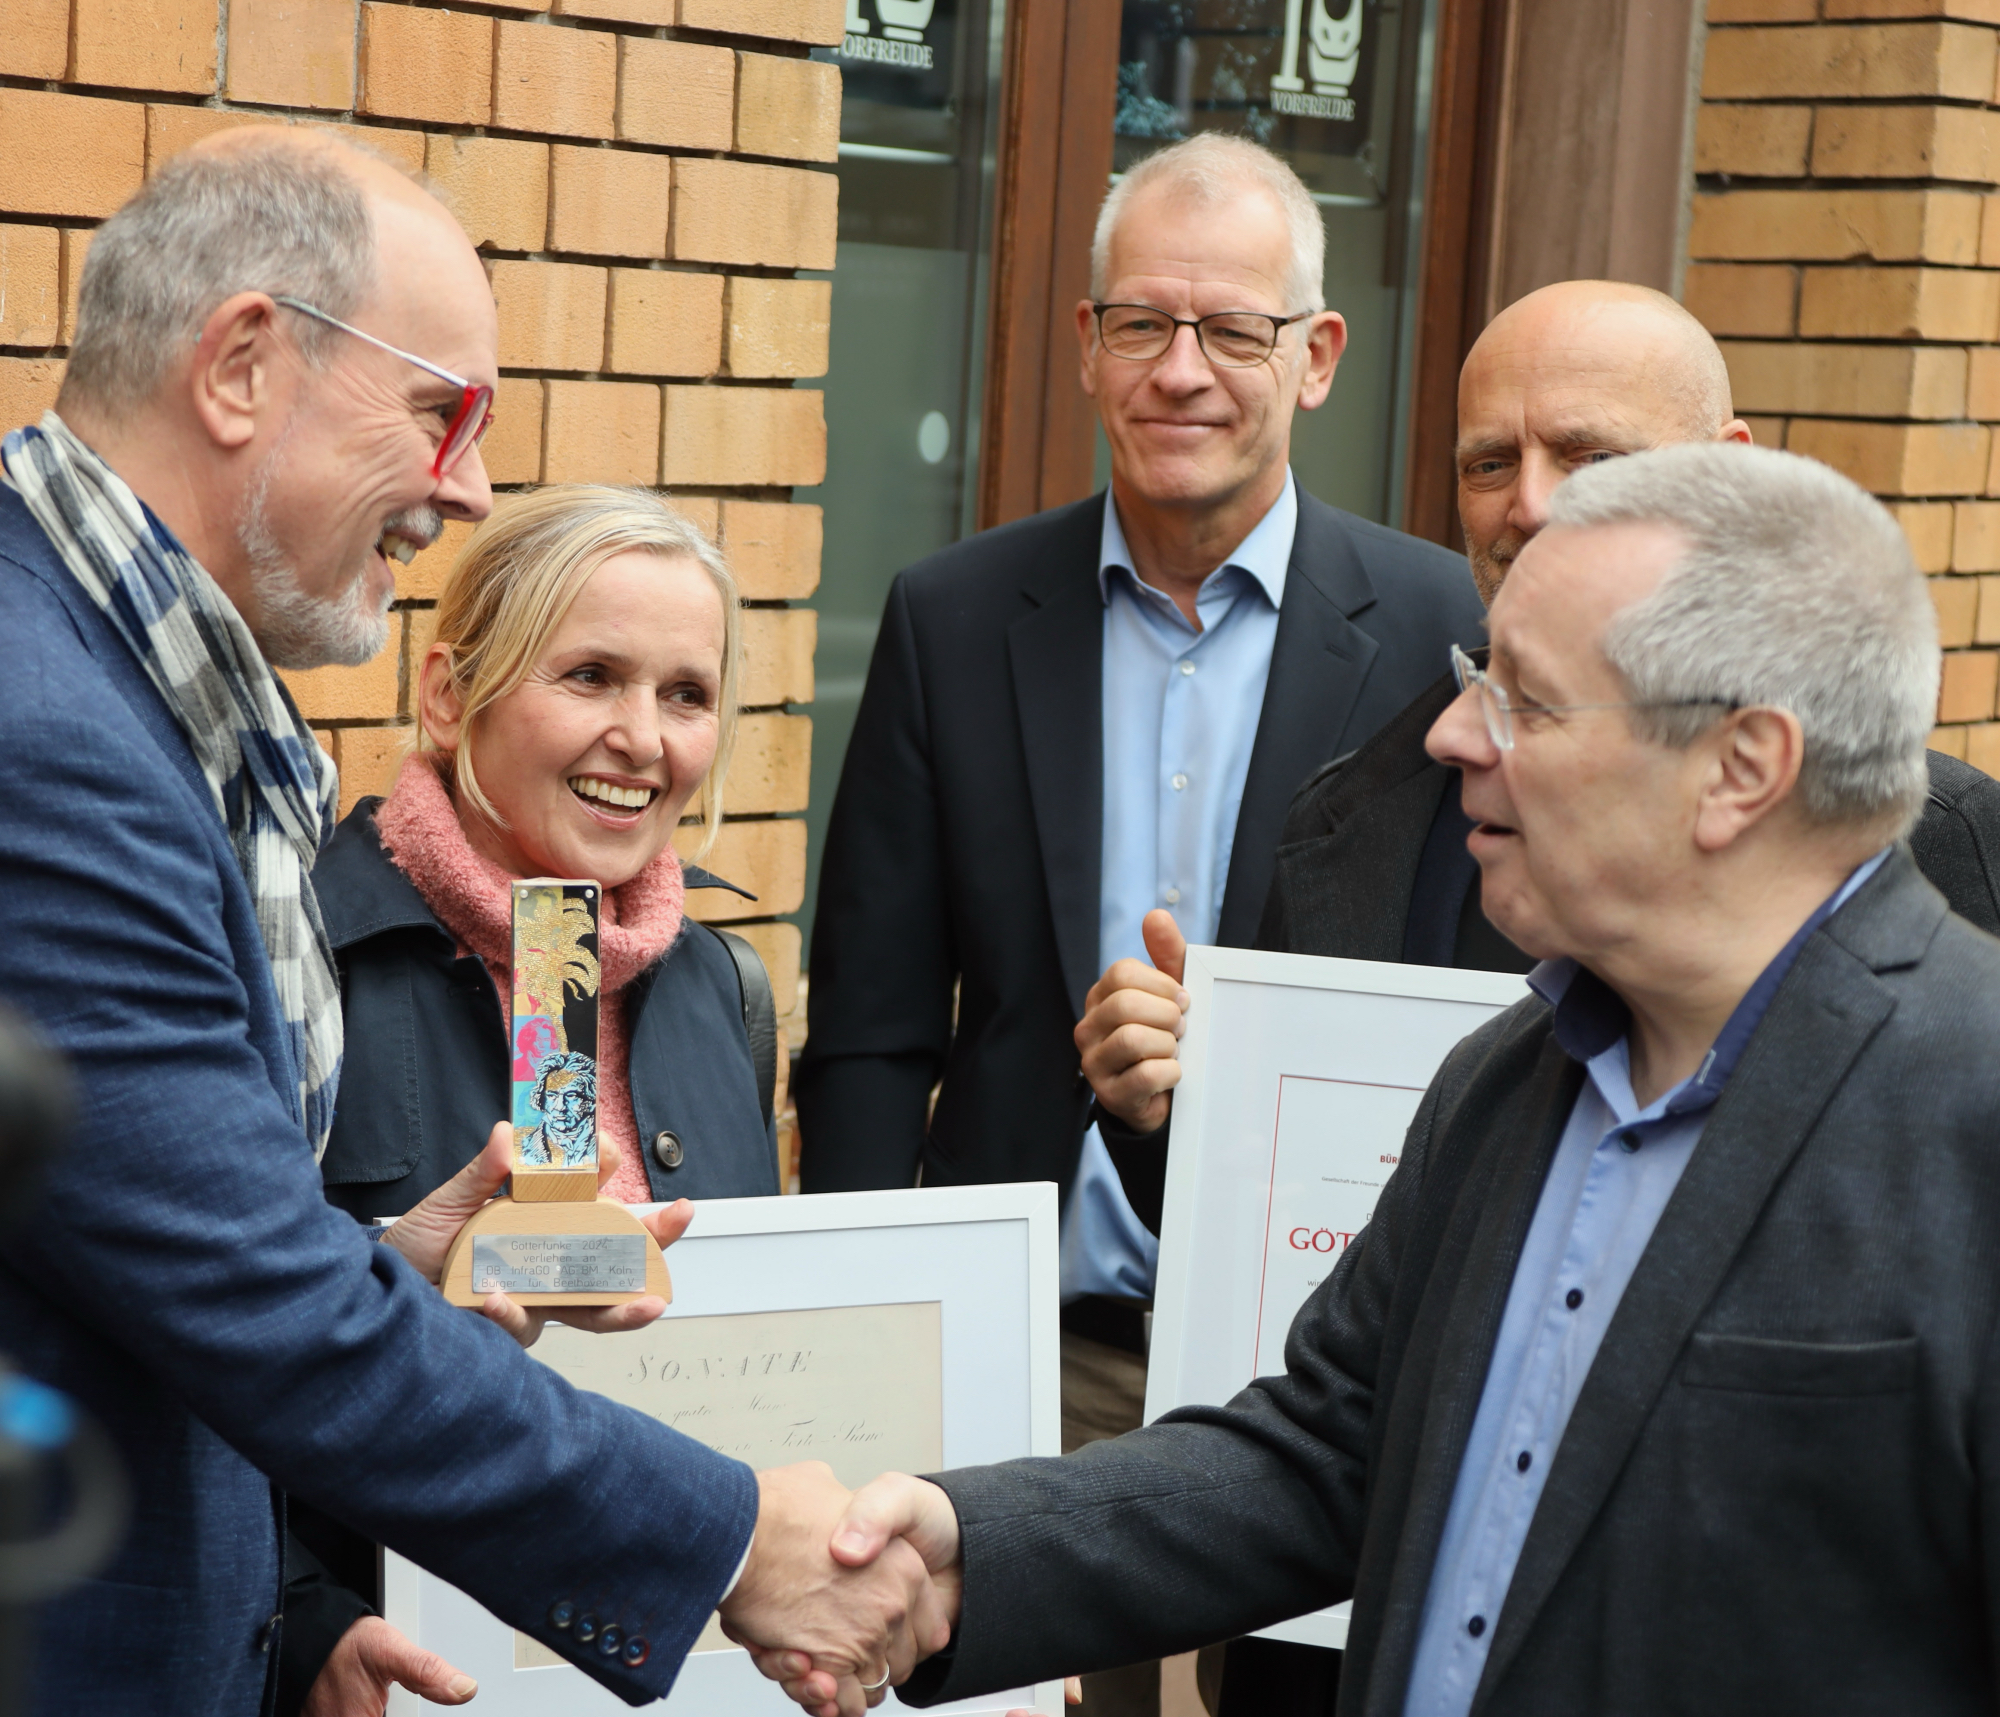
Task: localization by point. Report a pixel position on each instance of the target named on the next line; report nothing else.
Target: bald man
(1372, 863)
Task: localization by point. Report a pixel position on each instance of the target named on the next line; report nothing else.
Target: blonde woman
(578, 700)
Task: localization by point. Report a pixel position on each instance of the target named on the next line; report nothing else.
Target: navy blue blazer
(183, 1277)
(426, 1073)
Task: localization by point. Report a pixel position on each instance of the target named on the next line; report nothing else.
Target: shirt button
(1524, 1461)
(1629, 1140)
(1476, 1626)
(1187, 667)
(1180, 781)
(1172, 897)
(667, 1149)
(1573, 1298)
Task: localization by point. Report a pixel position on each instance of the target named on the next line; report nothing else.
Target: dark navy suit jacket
(184, 1278)
(961, 885)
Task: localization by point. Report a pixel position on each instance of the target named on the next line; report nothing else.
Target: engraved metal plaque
(559, 1263)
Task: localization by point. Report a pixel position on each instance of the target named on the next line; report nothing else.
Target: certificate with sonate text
(875, 1331)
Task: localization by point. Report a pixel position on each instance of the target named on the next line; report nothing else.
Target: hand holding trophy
(551, 1240)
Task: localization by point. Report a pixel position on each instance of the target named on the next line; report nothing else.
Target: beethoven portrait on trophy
(554, 1035)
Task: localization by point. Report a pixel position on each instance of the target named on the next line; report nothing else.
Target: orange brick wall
(1844, 247)
(645, 177)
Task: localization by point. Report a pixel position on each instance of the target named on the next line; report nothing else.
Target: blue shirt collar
(1264, 554)
(1590, 1018)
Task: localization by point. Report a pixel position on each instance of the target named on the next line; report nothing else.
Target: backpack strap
(760, 1014)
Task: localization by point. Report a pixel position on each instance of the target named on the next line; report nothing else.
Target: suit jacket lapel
(1819, 1023)
(1318, 664)
(1056, 651)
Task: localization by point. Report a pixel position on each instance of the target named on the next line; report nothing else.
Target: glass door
(909, 289)
(1340, 89)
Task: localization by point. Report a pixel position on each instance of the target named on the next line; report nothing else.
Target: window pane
(1332, 86)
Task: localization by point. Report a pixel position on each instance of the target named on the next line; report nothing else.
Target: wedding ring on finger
(876, 1686)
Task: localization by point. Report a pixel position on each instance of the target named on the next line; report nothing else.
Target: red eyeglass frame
(475, 408)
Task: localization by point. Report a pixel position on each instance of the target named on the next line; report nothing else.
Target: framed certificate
(1299, 1078)
(876, 1331)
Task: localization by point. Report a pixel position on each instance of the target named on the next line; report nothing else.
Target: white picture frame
(1299, 1077)
(987, 1255)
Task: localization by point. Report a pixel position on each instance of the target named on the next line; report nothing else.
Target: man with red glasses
(285, 357)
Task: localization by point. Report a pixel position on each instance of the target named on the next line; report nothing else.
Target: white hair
(1797, 589)
(264, 216)
(1209, 170)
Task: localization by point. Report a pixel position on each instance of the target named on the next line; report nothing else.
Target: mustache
(423, 525)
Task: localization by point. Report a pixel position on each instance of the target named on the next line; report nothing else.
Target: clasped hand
(900, 1533)
(845, 1592)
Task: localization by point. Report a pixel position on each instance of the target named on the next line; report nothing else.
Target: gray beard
(295, 630)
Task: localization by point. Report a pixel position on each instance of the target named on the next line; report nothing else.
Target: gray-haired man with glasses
(1663, 1379)
(285, 354)
(1095, 712)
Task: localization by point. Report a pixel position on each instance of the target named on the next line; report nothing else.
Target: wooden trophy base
(595, 1254)
(554, 1186)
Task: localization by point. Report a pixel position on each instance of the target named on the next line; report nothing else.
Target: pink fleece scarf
(471, 895)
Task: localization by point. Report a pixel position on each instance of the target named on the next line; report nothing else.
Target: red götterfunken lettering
(1320, 1239)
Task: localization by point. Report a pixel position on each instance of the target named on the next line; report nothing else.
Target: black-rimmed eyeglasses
(1237, 339)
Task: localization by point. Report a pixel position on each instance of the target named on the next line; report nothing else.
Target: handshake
(845, 1592)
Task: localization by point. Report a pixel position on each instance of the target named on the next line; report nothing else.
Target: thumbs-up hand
(1130, 1033)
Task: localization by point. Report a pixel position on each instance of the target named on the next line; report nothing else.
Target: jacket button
(667, 1147)
(586, 1627)
(611, 1639)
(636, 1652)
(562, 1614)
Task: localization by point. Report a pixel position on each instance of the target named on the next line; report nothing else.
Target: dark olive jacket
(425, 1073)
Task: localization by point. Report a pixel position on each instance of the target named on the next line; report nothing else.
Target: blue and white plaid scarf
(274, 788)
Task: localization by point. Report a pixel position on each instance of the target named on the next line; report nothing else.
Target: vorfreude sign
(1300, 1077)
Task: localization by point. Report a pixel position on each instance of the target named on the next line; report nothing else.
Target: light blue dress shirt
(1614, 1170)
(1180, 722)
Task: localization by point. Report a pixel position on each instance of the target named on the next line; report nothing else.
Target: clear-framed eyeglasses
(1498, 713)
(470, 418)
(1236, 339)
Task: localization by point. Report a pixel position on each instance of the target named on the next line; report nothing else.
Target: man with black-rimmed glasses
(1101, 710)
